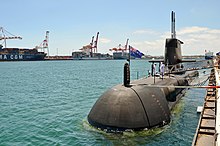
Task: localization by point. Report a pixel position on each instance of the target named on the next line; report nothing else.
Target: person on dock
(154, 69)
(162, 69)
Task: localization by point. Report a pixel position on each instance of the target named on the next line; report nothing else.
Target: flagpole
(129, 55)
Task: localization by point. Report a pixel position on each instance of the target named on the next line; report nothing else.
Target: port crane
(93, 46)
(44, 44)
(96, 43)
(4, 36)
(120, 47)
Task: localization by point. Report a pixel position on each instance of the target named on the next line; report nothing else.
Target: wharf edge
(208, 129)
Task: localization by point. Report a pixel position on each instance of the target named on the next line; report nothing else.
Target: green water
(47, 103)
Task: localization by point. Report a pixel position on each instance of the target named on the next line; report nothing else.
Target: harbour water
(47, 103)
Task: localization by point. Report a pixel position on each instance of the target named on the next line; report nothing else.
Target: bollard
(126, 75)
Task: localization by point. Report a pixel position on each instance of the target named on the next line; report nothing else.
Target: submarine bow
(135, 108)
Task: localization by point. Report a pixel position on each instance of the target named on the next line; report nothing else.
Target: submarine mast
(173, 31)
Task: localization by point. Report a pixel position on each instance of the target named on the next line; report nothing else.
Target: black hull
(139, 106)
(21, 57)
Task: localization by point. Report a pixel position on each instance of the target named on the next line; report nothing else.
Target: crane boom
(92, 41)
(16, 37)
(96, 41)
(91, 44)
(126, 45)
(4, 37)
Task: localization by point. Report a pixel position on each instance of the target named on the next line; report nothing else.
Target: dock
(209, 123)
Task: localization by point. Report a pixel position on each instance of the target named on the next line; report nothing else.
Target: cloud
(145, 32)
(190, 30)
(155, 47)
(196, 39)
(105, 40)
(215, 31)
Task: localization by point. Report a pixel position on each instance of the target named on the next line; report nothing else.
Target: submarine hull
(139, 106)
(123, 108)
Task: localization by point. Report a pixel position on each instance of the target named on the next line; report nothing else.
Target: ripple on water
(45, 103)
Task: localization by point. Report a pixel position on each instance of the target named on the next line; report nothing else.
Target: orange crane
(120, 47)
(4, 37)
(96, 43)
(92, 46)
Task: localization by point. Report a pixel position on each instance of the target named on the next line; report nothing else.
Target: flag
(135, 52)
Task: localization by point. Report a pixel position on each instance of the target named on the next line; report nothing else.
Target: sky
(146, 23)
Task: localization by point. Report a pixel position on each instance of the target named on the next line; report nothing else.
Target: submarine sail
(173, 46)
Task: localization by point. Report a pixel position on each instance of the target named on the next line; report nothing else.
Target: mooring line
(174, 86)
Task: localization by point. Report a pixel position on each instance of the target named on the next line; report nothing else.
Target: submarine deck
(208, 129)
(165, 81)
(159, 80)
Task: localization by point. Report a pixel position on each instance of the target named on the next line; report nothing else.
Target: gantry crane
(120, 47)
(4, 35)
(92, 47)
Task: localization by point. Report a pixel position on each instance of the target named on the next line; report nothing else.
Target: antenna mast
(173, 31)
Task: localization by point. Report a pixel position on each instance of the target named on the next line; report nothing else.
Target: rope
(172, 86)
(3, 30)
(198, 85)
(202, 83)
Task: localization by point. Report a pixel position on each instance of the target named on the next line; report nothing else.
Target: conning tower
(173, 54)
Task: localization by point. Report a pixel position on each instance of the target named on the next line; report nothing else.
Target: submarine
(147, 102)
